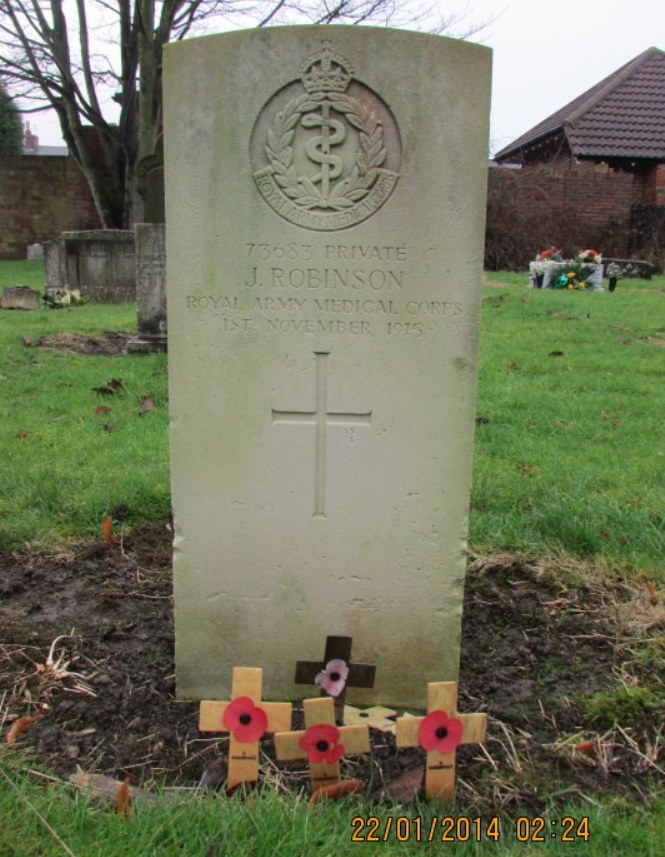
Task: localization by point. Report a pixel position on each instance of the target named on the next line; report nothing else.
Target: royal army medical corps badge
(325, 150)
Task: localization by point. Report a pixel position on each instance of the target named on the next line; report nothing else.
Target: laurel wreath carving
(369, 158)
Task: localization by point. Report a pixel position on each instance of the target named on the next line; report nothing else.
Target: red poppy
(245, 720)
(440, 732)
(320, 744)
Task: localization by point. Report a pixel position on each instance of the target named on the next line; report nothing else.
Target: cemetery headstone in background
(150, 253)
(325, 198)
(99, 263)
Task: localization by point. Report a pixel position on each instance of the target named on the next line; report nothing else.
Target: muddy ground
(533, 650)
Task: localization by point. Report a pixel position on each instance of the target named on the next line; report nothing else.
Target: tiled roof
(623, 116)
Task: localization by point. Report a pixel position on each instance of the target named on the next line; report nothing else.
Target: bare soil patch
(106, 344)
(533, 650)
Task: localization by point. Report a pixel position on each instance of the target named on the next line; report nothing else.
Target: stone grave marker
(20, 297)
(325, 199)
(150, 254)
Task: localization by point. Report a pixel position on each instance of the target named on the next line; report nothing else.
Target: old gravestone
(150, 255)
(325, 193)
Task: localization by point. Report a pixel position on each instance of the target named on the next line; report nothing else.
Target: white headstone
(325, 191)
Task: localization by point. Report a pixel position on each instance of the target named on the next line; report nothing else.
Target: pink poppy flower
(245, 720)
(440, 732)
(320, 744)
(333, 678)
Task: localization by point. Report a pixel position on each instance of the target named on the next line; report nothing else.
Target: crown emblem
(326, 71)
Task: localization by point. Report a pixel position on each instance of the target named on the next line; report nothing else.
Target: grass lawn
(570, 452)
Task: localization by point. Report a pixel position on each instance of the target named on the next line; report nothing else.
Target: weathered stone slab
(19, 297)
(325, 191)
(150, 247)
(97, 262)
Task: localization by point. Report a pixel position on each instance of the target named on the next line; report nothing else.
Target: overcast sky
(545, 54)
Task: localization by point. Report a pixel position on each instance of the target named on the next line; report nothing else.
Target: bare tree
(78, 57)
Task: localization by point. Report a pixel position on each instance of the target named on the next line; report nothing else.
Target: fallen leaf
(214, 774)
(23, 435)
(560, 425)
(20, 726)
(604, 415)
(110, 388)
(616, 423)
(27, 341)
(123, 800)
(337, 790)
(101, 410)
(626, 342)
(653, 597)
(107, 530)
(403, 789)
(527, 469)
(146, 405)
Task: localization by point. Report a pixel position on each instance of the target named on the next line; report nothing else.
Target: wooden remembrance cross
(246, 718)
(337, 648)
(439, 733)
(322, 743)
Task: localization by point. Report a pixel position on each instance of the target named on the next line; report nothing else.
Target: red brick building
(593, 173)
(42, 193)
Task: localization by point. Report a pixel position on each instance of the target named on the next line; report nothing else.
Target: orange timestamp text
(402, 828)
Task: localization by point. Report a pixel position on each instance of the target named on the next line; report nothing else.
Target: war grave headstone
(325, 198)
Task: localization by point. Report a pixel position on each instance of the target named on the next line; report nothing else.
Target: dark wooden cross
(439, 733)
(246, 717)
(338, 648)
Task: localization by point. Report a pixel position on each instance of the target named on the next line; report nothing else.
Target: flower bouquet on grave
(592, 257)
(574, 275)
(544, 260)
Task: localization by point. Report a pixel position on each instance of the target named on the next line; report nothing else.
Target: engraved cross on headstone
(321, 418)
(337, 648)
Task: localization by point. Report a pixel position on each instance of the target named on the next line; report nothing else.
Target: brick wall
(40, 197)
(573, 205)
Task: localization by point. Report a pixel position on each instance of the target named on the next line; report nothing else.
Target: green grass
(29, 273)
(272, 824)
(521, 278)
(570, 447)
(65, 466)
